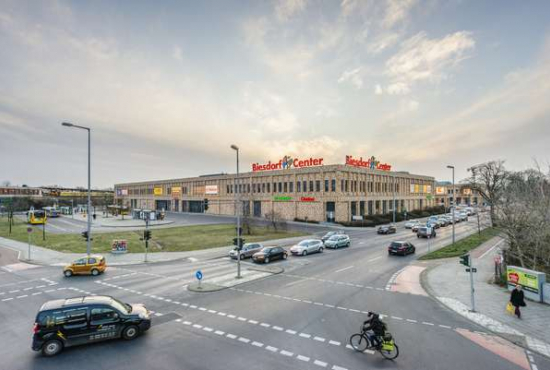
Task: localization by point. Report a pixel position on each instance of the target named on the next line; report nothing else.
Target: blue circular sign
(198, 275)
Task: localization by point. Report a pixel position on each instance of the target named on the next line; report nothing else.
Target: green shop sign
(529, 280)
(282, 199)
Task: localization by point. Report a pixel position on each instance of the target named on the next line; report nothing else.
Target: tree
(275, 220)
(6, 183)
(489, 180)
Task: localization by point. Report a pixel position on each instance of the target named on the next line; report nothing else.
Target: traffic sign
(29, 229)
(198, 275)
(473, 270)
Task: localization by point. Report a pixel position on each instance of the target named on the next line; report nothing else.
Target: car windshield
(122, 307)
(304, 243)
(334, 237)
(330, 233)
(396, 244)
(422, 229)
(266, 250)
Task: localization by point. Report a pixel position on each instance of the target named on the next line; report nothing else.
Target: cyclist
(378, 328)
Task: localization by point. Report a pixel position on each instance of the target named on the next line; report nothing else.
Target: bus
(36, 217)
(51, 212)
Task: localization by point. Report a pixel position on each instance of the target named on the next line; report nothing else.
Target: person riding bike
(378, 328)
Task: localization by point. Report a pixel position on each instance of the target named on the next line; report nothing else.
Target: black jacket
(377, 326)
(517, 298)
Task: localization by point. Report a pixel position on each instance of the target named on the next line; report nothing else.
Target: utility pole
(394, 198)
(453, 202)
(472, 290)
(473, 169)
(238, 211)
(146, 236)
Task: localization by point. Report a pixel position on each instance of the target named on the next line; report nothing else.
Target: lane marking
(344, 269)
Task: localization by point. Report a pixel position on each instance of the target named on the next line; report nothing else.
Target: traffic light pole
(472, 291)
(146, 238)
(237, 211)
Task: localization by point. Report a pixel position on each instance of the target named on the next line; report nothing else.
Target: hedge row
(374, 220)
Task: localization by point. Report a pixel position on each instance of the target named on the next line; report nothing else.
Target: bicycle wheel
(390, 355)
(359, 342)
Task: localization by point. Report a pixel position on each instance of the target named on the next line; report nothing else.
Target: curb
(209, 288)
(509, 337)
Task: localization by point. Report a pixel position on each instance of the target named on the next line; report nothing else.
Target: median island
(462, 246)
(169, 239)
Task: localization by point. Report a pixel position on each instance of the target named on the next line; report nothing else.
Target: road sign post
(29, 232)
(198, 275)
(472, 291)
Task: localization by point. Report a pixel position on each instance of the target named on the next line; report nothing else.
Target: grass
(462, 246)
(174, 239)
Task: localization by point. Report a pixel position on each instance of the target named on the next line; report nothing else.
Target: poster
(529, 281)
(119, 246)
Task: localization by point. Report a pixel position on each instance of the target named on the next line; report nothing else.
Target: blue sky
(168, 86)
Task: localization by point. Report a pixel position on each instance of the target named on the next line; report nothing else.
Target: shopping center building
(292, 188)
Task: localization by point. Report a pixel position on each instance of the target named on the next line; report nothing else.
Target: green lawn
(462, 246)
(174, 239)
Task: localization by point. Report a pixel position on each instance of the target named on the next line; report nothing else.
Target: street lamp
(89, 226)
(237, 210)
(453, 201)
(393, 207)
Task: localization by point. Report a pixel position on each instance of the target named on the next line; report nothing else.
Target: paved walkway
(44, 256)
(448, 281)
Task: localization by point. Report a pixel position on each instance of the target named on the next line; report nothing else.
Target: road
(299, 319)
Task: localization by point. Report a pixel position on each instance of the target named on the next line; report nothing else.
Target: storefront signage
(119, 192)
(307, 199)
(281, 198)
(286, 163)
(176, 191)
(371, 163)
(529, 281)
(157, 191)
(211, 189)
(467, 191)
(440, 190)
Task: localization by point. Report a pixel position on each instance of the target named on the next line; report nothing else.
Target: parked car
(444, 221)
(306, 247)
(432, 224)
(402, 248)
(433, 220)
(426, 232)
(387, 229)
(268, 254)
(411, 224)
(463, 216)
(338, 241)
(68, 322)
(247, 251)
(415, 227)
(329, 234)
(89, 265)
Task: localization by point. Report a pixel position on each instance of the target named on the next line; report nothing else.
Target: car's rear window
(396, 244)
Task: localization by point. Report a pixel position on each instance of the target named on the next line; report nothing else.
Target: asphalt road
(299, 319)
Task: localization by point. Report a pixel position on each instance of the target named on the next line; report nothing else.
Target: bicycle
(361, 341)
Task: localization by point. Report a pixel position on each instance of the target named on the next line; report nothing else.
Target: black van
(69, 322)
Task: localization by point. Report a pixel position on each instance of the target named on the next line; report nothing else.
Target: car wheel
(418, 236)
(52, 347)
(130, 332)
(68, 273)
(284, 256)
(267, 260)
(304, 253)
(348, 245)
(321, 250)
(95, 272)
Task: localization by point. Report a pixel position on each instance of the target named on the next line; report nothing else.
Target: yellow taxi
(89, 265)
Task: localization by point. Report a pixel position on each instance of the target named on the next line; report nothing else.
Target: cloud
(398, 88)
(177, 53)
(378, 89)
(424, 59)
(286, 9)
(397, 11)
(353, 77)
(383, 42)
(323, 146)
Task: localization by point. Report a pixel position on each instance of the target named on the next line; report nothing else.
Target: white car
(463, 216)
(411, 224)
(306, 247)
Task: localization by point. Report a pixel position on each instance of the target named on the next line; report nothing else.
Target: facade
(20, 192)
(445, 194)
(305, 190)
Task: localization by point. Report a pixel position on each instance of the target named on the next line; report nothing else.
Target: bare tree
(276, 220)
(489, 180)
(6, 183)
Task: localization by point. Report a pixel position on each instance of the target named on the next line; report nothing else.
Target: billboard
(157, 191)
(529, 280)
(440, 190)
(211, 189)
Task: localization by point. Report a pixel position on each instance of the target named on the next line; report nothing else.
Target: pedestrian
(517, 300)
(94, 216)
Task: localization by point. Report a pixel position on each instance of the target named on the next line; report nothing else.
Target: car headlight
(143, 316)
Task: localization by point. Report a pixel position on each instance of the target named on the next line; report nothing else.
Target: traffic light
(239, 242)
(205, 204)
(465, 260)
(85, 235)
(147, 234)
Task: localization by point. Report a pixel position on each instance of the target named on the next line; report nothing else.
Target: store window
(274, 187)
(311, 186)
(298, 186)
(280, 187)
(268, 187)
(304, 186)
(318, 186)
(285, 187)
(326, 186)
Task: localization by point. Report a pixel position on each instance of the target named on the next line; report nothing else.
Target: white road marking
(219, 332)
(344, 269)
(302, 358)
(333, 342)
(6, 299)
(272, 349)
(320, 363)
(290, 331)
(338, 368)
(244, 340)
(257, 344)
(231, 336)
(197, 326)
(278, 328)
(304, 335)
(374, 259)
(319, 339)
(286, 353)
(206, 328)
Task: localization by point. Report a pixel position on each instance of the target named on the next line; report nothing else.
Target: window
(80, 262)
(248, 188)
(342, 186)
(274, 187)
(268, 187)
(298, 186)
(333, 185)
(263, 187)
(92, 261)
(103, 314)
(280, 187)
(326, 186)
(291, 186)
(227, 190)
(347, 185)
(311, 186)
(304, 186)
(286, 187)
(317, 185)
(70, 318)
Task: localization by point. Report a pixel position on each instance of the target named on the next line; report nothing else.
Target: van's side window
(103, 314)
(80, 262)
(71, 318)
(91, 261)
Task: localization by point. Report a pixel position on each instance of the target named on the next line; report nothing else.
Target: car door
(79, 266)
(73, 325)
(91, 262)
(105, 323)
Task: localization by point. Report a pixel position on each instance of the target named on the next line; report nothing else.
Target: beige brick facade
(335, 192)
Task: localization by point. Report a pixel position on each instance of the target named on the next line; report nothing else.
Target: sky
(168, 86)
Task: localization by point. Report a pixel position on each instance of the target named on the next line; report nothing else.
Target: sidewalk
(44, 256)
(448, 282)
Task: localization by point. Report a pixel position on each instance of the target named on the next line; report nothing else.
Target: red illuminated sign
(307, 199)
(371, 163)
(286, 163)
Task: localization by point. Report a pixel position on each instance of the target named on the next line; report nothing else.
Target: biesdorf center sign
(287, 162)
(371, 163)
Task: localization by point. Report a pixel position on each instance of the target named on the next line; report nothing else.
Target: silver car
(306, 247)
(337, 241)
(248, 250)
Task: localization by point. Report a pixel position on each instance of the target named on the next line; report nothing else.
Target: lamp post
(89, 224)
(473, 169)
(393, 207)
(453, 201)
(237, 211)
